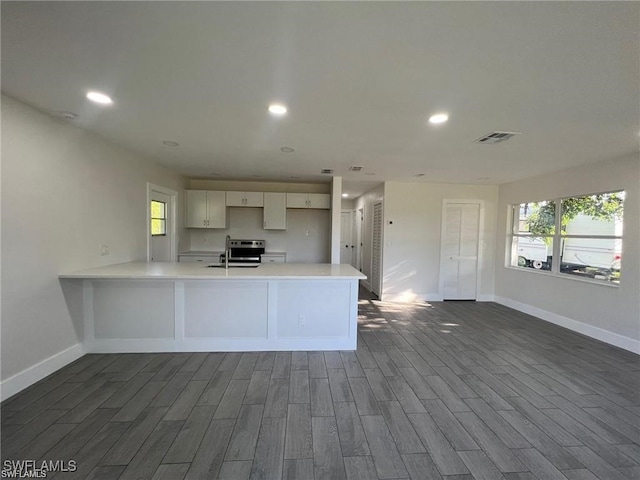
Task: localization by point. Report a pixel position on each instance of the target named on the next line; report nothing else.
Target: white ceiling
(359, 79)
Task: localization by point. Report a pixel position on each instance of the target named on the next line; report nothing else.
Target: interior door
(459, 253)
(346, 238)
(376, 250)
(160, 230)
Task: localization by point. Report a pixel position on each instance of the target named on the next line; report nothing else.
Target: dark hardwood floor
(453, 390)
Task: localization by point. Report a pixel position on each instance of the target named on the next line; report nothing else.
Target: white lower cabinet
(275, 211)
(274, 258)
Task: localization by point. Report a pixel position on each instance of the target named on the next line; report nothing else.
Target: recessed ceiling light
(277, 109)
(99, 98)
(345, 195)
(287, 149)
(169, 143)
(438, 118)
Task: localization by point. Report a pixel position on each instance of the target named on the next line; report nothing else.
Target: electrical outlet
(104, 250)
(301, 320)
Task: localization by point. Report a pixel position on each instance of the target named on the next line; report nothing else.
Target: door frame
(359, 240)
(172, 227)
(481, 242)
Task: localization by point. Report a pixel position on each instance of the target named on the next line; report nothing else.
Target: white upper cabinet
(319, 200)
(275, 211)
(206, 209)
(308, 200)
(245, 199)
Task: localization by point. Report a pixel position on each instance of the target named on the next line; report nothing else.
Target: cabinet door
(297, 200)
(217, 208)
(235, 199)
(272, 258)
(319, 200)
(253, 199)
(196, 209)
(275, 211)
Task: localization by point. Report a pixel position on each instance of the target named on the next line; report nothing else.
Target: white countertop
(175, 271)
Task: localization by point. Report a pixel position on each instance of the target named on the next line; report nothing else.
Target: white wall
(65, 191)
(411, 260)
(602, 311)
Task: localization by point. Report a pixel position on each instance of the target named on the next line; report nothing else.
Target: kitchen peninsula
(169, 307)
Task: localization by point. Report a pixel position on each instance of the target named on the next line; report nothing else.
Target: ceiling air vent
(355, 168)
(326, 171)
(496, 137)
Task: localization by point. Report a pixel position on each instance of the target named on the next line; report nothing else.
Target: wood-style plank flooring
(453, 390)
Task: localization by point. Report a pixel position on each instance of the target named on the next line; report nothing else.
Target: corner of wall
(40, 370)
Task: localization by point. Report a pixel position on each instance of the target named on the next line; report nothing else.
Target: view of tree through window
(589, 241)
(158, 218)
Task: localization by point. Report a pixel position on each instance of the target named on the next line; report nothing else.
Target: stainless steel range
(244, 251)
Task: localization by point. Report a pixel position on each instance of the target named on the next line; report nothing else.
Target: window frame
(163, 219)
(558, 237)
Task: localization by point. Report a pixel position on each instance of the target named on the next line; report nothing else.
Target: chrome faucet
(227, 249)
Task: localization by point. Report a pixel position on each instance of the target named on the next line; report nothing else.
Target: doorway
(161, 224)
(459, 251)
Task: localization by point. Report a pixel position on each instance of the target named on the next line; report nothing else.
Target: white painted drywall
(65, 192)
(412, 226)
(612, 309)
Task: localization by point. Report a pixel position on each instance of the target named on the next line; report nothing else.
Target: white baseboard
(584, 328)
(425, 297)
(37, 372)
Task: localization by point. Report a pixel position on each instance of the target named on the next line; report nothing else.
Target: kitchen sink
(233, 266)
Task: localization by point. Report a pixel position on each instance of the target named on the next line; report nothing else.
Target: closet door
(459, 253)
(376, 253)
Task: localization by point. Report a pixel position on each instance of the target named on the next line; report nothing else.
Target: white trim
(173, 224)
(222, 345)
(479, 259)
(40, 370)
(584, 328)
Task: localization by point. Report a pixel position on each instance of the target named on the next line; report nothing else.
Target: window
(585, 232)
(158, 218)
